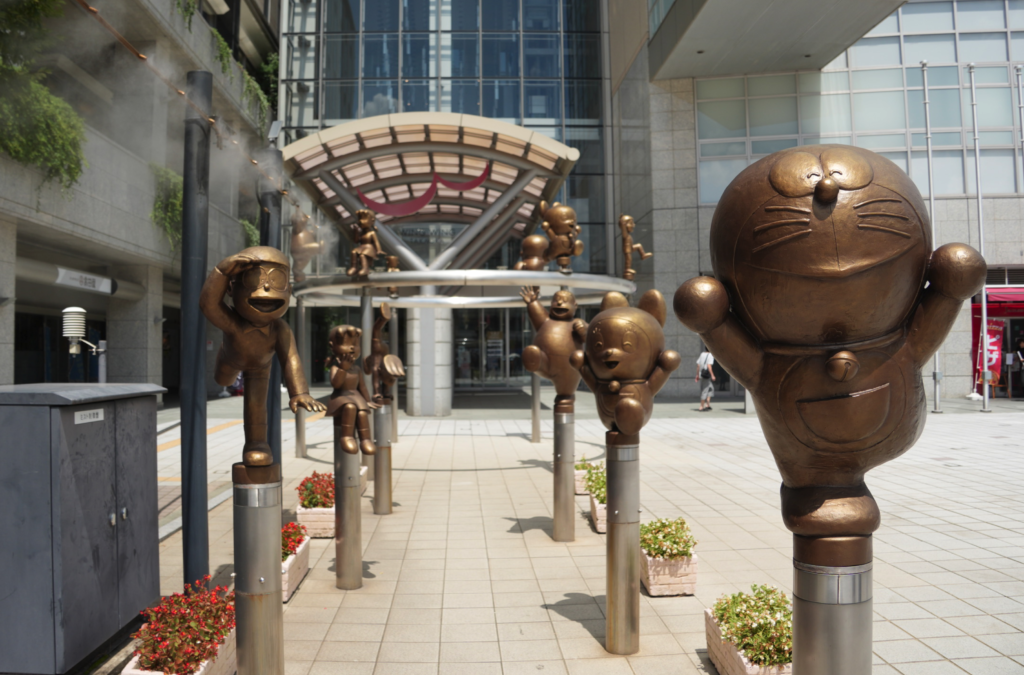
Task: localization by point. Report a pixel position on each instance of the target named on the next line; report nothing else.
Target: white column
(134, 330)
(429, 367)
(8, 251)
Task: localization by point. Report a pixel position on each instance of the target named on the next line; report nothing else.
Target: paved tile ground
(464, 577)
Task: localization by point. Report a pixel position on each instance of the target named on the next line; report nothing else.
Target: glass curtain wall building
(872, 96)
(535, 63)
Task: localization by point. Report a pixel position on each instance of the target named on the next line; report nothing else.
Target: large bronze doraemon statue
(827, 302)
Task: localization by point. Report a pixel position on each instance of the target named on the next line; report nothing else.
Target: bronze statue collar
(782, 349)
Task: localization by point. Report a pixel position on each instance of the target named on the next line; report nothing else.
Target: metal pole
(393, 329)
(564, 472)
(348, 547)
(936, 371)
(259, 615)
(535, 408)
(195, 526)
(270, 235)
(300, 414)
(622, 621)
(382, 460)
(832, 605)
(101, 361)
(365, 347)
(986, 375)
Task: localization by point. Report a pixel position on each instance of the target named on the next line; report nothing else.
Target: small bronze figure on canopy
(367, 245)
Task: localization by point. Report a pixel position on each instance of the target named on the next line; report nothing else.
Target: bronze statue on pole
(560, 226)
(626, 227)
(367, 246)
(827, 302)
(350, 402)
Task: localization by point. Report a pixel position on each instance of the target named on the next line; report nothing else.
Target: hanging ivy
(268, 78)
(224, 57)
(187, 9)
(252, 95)
(252, 233)
(167, 203)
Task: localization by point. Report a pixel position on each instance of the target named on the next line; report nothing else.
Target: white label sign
(83, 281)
(86, 416)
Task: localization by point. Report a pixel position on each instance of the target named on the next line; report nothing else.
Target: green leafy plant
(317, 491)
(223, 54)
(252, 95)
(668, 539)
(292, 536)
(187, 9)
(252, 233)
(597, 483)
(268, 78)
(583, 464)
(186, 629)
(759, 623)
(167, 203)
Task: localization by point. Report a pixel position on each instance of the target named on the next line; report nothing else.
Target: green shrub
(759, 623)
(252, 233)
(167, 203)
(597, 483)
(583, 464)
(668, 539)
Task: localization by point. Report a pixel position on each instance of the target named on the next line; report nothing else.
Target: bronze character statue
(626, 226)
(827, 302)
(350, 403)
(560, 226)
(558, 335)
(257, 279)
(624, 360)
(367, 246)
(304, 246)
(532, 251)
(383, 367)
(392, 261)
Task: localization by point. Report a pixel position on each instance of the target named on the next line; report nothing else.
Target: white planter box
(668, 577)
(730, 661)
(319, 522)
(364, 471)
(581, 481)
(599, 515)
(294, 569)
(223, 664)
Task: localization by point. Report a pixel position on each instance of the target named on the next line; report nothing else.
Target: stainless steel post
(393, 340)
(259, 613)
(832, 619)
(348, 535)
(936, 372)
(564, 472)
(382, 460)
(986, 375)
(101, 361)
(622, 621)
(300, 414)
(534, 408)
(365, 347)
(268, 188)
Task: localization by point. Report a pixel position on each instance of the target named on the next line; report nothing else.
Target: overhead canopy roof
(394, 159)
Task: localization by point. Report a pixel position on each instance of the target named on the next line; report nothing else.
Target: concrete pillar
(8, 251)
(429, 363)
(134, 330)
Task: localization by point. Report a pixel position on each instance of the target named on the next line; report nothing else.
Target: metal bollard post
(832, 605)
(564, 472)
(382, 460)
(535, 408)
(259, 613)
(348, 536)
(622, 622)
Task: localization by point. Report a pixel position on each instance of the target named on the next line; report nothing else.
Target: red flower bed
(186, 629)
(316, 491)
(292, 536)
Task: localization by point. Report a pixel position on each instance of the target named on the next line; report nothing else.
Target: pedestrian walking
(706, 377)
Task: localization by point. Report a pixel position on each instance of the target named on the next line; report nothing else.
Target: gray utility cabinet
(79, 557)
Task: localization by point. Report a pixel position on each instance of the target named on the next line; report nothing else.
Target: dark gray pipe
(195, 219)
(270, 235)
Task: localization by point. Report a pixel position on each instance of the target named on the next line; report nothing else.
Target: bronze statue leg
(366, 438)
(535, 360)
(353, 264)
(256, 451)
(346, 420)
(629, 416)
(639, 248)
(364, 261)
(224, 374)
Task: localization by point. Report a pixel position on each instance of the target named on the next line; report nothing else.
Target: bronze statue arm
(361, 387)
(211, 302)
(955, 273)
(702, 305)
(578, 360)
(337, 375)
(538, 315)
(291, 371)
(668, 361)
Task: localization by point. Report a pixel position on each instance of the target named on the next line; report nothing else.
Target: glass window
(381, 15)
(828, 114)
(341, 102)
(986, 75)
(541, 57)
(302, 17)
(583, 102)
(997, 173)
(897, 158)
(1016, 14)
(1017, 45)
(341, 16)
(994, 138)
(501, 55)
(824, 82)
(715, 176)
(418, 96)
(983, 47)
(380, 97)
(583, 56)
(771, 85)
(465, 15)
(588, 141)
(462, 55)
(890, 24)
(948, 172)
(501, 14)
(582, 16)
(925, 17)
(300, 60)
(940, 138)
(995, 108)
(889, 78)
(941, 76)
(773, 116)
(542, 100)
(418, 15)
(876, 52)
(540, 14)
(418, 54)
(380, 56)
(301, 104)
(882, 141)
(837, 63)
(933, 48)
(550, 132)
(721, 119)
(586, 195)
(341, 58)
(826, 140)
(730, 88)
(722, 149)
(460, 96)
(879, 110)
(501, 100)
(980, 15)
(768, 147)
(944, 107)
